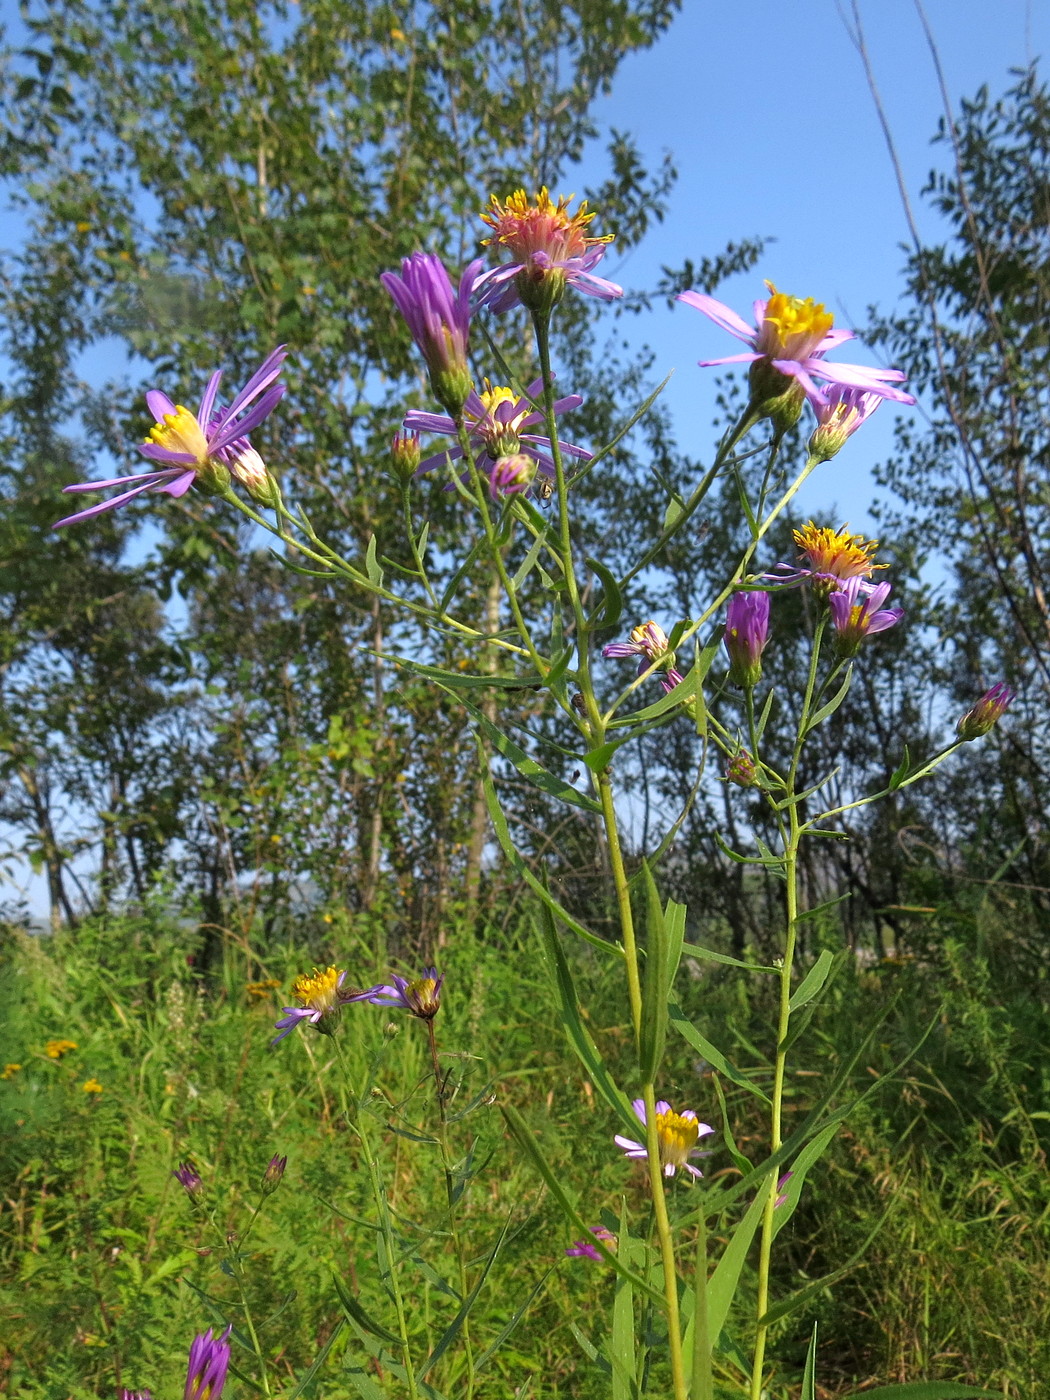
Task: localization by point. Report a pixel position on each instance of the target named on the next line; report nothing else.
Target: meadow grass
(107, 1270)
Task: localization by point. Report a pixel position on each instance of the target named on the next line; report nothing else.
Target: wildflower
(512, 475)
(649, 641)
(781, 1193)
(495, 420)
(262, 989)
(9, 1070)
(677, 1133)
(549, 249)
(420, 998)
(136, 1395)
(988, 711)
(248, 468)
(833, 557)
(438, 320)
(55, 1049)
(742, 769)
(583, 1249)
(857, 612)
(91, 1086)
(208, 1363)
(191, 445)
(840, 412)
(186, 1175)
(404, 454)
(273, 1174)
(746, 634)
(321, 997)
(788, 343)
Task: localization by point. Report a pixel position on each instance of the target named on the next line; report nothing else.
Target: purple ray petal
(158, 404)
(721, 314)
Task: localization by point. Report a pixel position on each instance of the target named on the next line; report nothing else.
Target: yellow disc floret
(55, 1049)
(318, 990)
(837, 554)
(792, 329)
(180, 432)
(525, 228)
(678, 1135)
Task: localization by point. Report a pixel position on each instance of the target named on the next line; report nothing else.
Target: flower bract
(677, 1134)
(186, 1175)
(188, 447)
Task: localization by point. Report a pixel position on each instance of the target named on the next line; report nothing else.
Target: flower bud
(273, 1174)
(187, 1177)
(249, 469)
(746, 634)
(512, 475)
(742, 769)
(988, 711)
(840, 412)
(404, 455)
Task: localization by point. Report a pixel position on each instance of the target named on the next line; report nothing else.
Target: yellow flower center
(180, 432)
(792, 328)
(837, 552)
(677, 1136)
(494, 394)
(55, 1049)
(650, 636)
(91, 1086)
(525, 227)
(318, 990)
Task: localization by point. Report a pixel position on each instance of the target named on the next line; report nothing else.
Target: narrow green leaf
(722, 1285)
(763, 718)
(512, 1322)
(694, 950)
(683, 691)
(318, 1362)
(467, 680)
(826, 711)
(809, 1375)
(638, 414)
(787, 1306)
(928, 1390)
(674, 924)
(609, 609)
(353, 1309)
(814, 980)
(597, 760)
(621, 1341)
(529, 562)
(739, 1160)
(711, 1053)
(372, 568)
(828, 904)
(810, 1154)
(453, 1329)
(900, 773)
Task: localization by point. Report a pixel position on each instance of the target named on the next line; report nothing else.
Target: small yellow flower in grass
(91, 1086)
(55, 1049)
(9, 1070)
(262, 989)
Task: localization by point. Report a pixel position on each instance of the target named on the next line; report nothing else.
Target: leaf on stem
(809, 1375)
(814, 980)
(711, 1053)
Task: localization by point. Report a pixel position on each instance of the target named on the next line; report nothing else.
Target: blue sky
(767, 111)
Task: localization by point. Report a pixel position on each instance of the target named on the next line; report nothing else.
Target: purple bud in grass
(209, 1360)
(583, 1249)
(746, 634)
(439, 321)
(187, 1177)
(987, 713)
(273, 1174)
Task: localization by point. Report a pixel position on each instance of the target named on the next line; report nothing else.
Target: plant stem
(663, 1231)
(703, 1384)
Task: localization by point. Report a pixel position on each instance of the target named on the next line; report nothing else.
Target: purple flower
(677, 1134)
(745, 637)
(857, 612)
(421, 997)
(209, 1360)
(583, 1249)
(321, 996)
(792, 336)
(549, 249)
(988, 711)
(512, 476)
(187, 1177)
(742, 769)
(495, 421)
(274, 1174)
(840, 412)
(781, 1193)
(191, 446)
(834, 556)
(438, 320)
(650, 642)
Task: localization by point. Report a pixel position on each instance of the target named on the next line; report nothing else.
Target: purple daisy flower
(987, 713)
(187, 444)
(209, 1360)
(438, 319)
(840, 412)
(677, 1133)
(550, 249)
(495, 421)
(421, 997)
(857, 612)
(793, 336)
(745, 637)
(583, 1249)
(320, 995)
(648, 641)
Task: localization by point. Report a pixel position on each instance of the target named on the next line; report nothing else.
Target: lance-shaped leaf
(609, 608)
(814, 980)
(317, 1363)
(809, 1375)
(711, 1053)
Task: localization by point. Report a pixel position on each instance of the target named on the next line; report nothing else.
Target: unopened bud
(987, 713)
(273, 1174)
(512, 475)
(187, 1177)
(404, 454)
(742, 769)
(249, 469)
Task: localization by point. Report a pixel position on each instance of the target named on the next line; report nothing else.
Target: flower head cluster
(650, 642)
(193, 447)
(439, 321)
(420, 997)
(745, 637)
(857, 612)
(583, 1249)
(987, 713)
(496, 420)
(55, 1049)
(828, 559)
(549, 248)
(787, 348)
(677, 1134)
(320, 996)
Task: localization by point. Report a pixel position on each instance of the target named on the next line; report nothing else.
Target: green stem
(663, 1231)
(450, 1196)
(383, 1212)
(237, 1269)
(703, 1383)
(623, 900)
